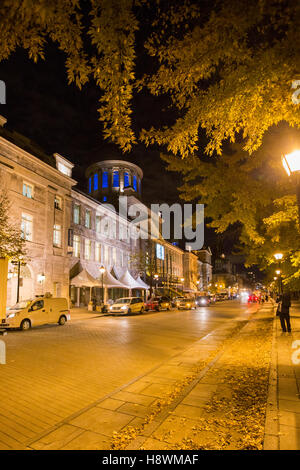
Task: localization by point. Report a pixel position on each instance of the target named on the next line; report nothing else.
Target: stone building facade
(40, 197)
(68, 231)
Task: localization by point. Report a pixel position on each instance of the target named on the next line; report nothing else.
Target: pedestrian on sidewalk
(284, 303)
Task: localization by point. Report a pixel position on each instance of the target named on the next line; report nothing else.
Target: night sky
(61, 118)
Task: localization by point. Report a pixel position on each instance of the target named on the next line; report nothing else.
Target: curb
(271, 437)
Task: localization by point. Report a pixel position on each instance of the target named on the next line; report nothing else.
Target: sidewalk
(78, 313)
(283, 414)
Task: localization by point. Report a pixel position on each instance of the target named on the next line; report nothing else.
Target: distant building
(205, 267)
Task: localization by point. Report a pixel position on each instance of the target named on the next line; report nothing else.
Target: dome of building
(110, 178)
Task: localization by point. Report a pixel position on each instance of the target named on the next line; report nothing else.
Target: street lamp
(20, 263)
(102, 271)
(182, 281)
(156, 282)
(278, 257)
(40, 279)
(291, 164)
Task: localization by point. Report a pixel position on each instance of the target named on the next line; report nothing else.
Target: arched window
(90, 184)
(96, 182)
(105, 179)
(134, 183)
(126, 179)
(116, 182)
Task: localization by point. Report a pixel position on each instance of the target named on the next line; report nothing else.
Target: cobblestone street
(54, 373)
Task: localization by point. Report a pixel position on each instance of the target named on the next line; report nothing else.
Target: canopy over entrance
(110, 281)
(142, 283)
(84, 279)
(130, 281)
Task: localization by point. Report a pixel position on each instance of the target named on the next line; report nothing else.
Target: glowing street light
(182, 281)
(278, 257)
(291, 162)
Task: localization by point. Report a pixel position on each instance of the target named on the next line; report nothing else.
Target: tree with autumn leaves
(12, 244)
(224, 70)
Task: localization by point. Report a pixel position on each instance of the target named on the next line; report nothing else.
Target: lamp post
(41, 280)
(279, 257)
(19, 263)
(182, 281)
(156, 280)
(291, 163)
(102, 271)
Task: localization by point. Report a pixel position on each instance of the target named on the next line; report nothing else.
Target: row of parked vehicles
(129, 305)
(46, 310)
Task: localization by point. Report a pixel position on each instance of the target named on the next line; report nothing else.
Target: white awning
(142, 283)
(84, 279)
(110, 281)
(130, 281)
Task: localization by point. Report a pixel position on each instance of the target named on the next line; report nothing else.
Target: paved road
(53, 372)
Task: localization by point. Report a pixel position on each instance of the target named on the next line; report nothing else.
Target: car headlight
(124, 307)
(11, 315)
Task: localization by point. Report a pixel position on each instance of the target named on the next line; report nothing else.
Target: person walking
(284, 312)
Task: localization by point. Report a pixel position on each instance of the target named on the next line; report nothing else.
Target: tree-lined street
(150, 163)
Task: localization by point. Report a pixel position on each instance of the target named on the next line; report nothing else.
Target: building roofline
(37, 160)
(111, 163)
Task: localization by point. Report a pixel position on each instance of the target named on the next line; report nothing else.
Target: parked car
(186, 304)
(222, 296)
(252, 298)
(40, 311)
(127, 305)
(176, 300)
(203, 301)
(158, 303)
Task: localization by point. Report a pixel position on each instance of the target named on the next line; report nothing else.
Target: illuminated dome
(110, 178)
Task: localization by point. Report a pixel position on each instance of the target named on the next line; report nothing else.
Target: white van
(40, 311)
